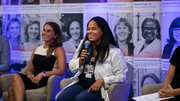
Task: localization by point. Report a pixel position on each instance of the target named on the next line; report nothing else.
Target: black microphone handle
(84, 60)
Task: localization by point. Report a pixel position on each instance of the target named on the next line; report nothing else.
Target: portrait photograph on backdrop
(144, 76)
(30, 33)
(148, 39)
(11, 2)
(95, 1)
(72, 31)
(120, 0)
(12, 30)
(173, 41)
(46, 17)
(122, 28)
(30, 2)
(50, 1)
(73, 1)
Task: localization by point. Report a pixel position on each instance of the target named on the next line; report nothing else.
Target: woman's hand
(30, 76)
(84, 54)
(36, 79)
(165, 93)
(97, 85)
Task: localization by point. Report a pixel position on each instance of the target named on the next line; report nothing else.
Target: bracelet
(44, 73)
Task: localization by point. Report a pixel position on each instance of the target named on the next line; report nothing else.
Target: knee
(15, 77)
(61, 97)
(10, 91)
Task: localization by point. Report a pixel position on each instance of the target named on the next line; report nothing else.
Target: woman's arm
(61, 63)
(169, 76)
(30, 67)
(165, 91)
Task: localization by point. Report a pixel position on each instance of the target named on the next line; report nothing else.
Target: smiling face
(33, 31)
(48, 34)
(94, 32)
(150, 31)
(176, 34)
(14, 29)
(122, 32)
(75, 30)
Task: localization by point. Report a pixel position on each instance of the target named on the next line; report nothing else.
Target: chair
(46, 93)
(117, 91)
(150, 88)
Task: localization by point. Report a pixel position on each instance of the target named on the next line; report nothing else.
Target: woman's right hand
(31, 77)
(84, 54)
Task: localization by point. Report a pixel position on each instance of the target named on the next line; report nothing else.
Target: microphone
(87, 43)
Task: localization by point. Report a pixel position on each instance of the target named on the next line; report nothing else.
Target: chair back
(130, 73)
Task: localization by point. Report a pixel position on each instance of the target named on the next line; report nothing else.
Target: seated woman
(172, 78)
(98, 67)
(41, 63)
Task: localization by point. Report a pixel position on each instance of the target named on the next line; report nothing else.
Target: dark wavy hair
(126, 23)
(156, 22)
(174, 24)
(57, 41)
(26, 32)
(106, 39)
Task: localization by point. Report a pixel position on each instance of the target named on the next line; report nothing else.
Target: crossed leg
(16, 92)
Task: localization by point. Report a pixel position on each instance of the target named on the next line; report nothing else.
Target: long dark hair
(57, 41)
(106, 39)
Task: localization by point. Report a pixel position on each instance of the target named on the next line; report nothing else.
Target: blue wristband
(44, 73)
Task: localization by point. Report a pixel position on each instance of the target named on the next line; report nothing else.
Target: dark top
(175, 60)
(40, 63)
(167, 51)
(87, 82)
(130, 48)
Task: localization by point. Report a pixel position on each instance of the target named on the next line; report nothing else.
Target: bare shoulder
(59, 51)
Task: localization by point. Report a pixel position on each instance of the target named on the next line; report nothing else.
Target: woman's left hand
(37, 78)
(166, 92)
(97, 85)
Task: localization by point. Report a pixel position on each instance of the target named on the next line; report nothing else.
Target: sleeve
(5, 55)
(174, 58)
(74, 63)
(119, 69)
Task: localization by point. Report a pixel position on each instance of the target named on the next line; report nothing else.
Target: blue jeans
(76, 92)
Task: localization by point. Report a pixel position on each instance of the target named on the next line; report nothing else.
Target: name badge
(89, 70)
